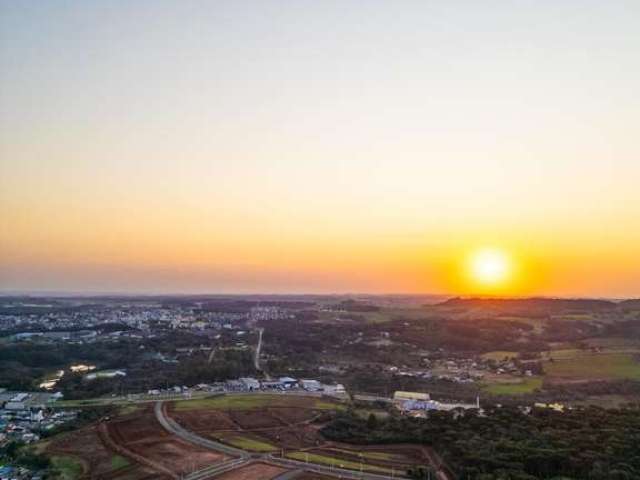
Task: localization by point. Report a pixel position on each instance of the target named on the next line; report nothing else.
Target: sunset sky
(320, 146)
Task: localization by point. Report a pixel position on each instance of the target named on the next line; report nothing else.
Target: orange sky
(287, 149)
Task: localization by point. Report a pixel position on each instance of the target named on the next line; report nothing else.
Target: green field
(594, 366)
(250, 401)
(371, 455)
(118, 462)
(249, 443)
(68, 467)
(528, 385)
(336, 462)
(91, 402)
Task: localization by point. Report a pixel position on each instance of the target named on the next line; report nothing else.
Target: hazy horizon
(320, 147)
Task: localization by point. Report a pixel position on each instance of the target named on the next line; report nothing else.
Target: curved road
(243, 457)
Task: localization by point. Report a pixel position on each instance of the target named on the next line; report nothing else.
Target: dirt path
(103, 432)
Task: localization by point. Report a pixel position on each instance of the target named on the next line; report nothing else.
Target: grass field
(370, 455)
(336, 462)
(68, 467)
(594, 366)
(527, 385)
(247, 402)
(248, 443)
(118, 462)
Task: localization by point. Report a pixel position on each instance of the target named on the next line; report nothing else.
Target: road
(243, 458)
(173, 427)
(256, 360)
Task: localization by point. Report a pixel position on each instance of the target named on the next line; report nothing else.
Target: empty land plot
(81, 454)
(337, 462)
(248, 442)
(595, 366)
(203, 420)
(251, 401)
(141, 437)
(292, 438)
(255, 419)
(313, 476)
(255, 471)
(397, 457)
(519, 387)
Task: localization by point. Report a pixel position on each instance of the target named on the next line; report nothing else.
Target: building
(288, 382)
(106, 374)
(250, 384)
(337, 389)
(311, 385)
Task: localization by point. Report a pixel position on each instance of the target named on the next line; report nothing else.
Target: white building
(250, 383)
(311, 385)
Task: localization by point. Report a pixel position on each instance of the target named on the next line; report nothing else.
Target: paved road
(173, 427)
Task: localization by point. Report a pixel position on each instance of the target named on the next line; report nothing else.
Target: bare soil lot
(283, 422)
(141, 438)
(255, 471)
(85, 447)
(131, 447)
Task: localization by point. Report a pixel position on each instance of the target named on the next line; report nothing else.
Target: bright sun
(490, 267)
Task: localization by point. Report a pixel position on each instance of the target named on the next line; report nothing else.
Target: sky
(319, 146)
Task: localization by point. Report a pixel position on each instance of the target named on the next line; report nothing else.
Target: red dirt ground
(283, 426)
(313, 476)
(85, 446)
(255, 419)
(255, 471)
(142, 439)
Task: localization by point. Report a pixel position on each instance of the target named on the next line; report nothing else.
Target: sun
(490, 267)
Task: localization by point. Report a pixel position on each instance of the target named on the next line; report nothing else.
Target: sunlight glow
(490, 266)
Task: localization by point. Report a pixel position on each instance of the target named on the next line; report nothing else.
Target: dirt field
(140, 436)
(285, 427)
(86, 447)
(275, 426)
(313, 476)
(255, 471)
(131, 447)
